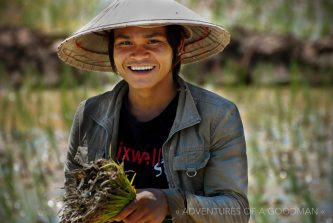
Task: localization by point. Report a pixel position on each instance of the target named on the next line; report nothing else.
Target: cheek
(170, 57)
(166, 55)
(117, 60)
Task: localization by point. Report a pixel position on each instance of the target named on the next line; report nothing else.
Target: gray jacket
(204, 155)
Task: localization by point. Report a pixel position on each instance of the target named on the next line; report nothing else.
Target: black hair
(175, 34)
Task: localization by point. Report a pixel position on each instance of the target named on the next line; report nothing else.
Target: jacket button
(190, 172)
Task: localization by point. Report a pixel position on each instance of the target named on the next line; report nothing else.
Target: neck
(146, 104)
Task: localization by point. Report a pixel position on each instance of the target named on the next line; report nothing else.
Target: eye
(124, 43)
(153, 41)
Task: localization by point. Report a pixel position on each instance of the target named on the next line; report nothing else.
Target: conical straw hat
(87, 49)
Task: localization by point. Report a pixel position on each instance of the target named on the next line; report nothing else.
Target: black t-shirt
(140, 145)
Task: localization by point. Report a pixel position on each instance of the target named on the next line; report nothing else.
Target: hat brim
(87, 49)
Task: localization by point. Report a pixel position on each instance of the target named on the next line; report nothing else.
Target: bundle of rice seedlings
(96, 193)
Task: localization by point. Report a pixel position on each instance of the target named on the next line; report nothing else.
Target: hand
(149, 206)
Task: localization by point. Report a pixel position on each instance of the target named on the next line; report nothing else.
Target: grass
(33, 131)
(290, 150)
(306, 19)
(97, 193)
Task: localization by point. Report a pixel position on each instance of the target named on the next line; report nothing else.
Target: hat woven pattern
(87, 49)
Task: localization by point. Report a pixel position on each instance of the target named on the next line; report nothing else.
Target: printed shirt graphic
(140, 146)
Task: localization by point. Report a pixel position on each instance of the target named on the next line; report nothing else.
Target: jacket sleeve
(225, 178)
(73, 142)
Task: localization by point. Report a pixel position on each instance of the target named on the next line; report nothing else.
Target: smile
(141, 68)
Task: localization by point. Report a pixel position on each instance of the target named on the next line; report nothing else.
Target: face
(143, 56)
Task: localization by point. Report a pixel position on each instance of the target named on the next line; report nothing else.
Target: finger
(126, 211)
(136, 216)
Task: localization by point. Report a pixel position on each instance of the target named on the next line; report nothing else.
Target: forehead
(140, 31)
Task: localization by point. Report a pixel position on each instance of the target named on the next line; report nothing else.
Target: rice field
(289, 139)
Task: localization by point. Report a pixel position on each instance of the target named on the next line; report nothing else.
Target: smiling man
(185, 144)
(143, 58)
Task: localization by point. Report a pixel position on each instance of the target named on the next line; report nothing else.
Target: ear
(180, 48)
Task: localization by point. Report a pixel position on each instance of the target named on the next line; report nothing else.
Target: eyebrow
(155, 34)
(122, 36)
(150, 35)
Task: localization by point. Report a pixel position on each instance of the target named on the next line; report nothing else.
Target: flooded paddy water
(289, 134)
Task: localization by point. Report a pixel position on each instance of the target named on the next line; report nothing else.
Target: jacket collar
(113, 101)
(186, 115)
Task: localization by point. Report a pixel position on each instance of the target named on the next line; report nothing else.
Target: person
(185, 144)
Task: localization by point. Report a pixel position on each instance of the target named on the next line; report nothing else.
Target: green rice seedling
(97, 192)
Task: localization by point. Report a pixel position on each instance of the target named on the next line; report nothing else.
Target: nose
(139, 53)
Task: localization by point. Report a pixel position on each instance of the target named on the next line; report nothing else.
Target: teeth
(142, 68)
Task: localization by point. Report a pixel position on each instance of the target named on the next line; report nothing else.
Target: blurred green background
(278, 69)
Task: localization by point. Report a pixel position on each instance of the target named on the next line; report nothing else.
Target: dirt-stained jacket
(204, 155)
